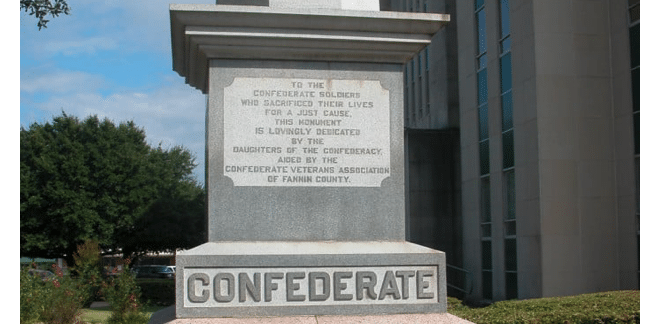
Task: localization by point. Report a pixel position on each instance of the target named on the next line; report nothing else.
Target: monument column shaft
(338, 175)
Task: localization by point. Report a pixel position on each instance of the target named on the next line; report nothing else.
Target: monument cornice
(204, 32)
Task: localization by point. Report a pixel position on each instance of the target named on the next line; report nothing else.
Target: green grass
(101, 315)
(607, 307)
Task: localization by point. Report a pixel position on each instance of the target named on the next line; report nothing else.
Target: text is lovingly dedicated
(306, 132)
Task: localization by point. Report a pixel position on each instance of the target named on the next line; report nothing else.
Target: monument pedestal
(305, 161)
(247, 279)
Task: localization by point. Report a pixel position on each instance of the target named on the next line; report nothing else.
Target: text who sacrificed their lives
(293, 101)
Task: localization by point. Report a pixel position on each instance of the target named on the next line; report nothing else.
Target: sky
(111, 59)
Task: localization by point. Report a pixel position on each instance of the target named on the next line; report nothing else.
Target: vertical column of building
(484, 150)
(508, 152)
(417, 84)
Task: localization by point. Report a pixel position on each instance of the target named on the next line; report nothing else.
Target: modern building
(522, 132)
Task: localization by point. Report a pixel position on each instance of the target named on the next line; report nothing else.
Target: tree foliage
(41, 8)
(176, 219)
(94, 180)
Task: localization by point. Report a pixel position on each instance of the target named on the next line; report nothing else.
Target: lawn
(101, 314)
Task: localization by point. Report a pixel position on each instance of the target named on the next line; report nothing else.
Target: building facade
(522, 130)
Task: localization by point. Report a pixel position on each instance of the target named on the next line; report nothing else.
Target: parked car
(154, 271)
(45, 275)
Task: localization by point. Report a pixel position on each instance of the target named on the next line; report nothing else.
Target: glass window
(505, 18)
(482, 34)
(637, 161)
(485, 156)
(509, 182)
(479, 3)
(486, 230)
(508, 147)
(482, 62)
(487, 285)
(635, 13)
(636, 88)
(505, 45)
(637, 133)
(507, 110)
(506, 73)
(486, 262)
(485, 200)
(635, 62)
(510, 249)
(482, 86)
(511, 285)
(487, 255)
(635, 45)
(510, 228)
(482, 122)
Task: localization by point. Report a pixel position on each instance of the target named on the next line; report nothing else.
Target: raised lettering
(421, 284)
(340, 286)
(246, 285)
(313, 292)
(269, 285)
(389, 286)
(292, 286)
(368, 285)
(192, 291)
(217, 287)
(405, 285)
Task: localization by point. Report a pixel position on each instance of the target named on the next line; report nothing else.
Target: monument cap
(365, 5)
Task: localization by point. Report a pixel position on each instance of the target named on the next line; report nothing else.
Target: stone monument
(304, 160)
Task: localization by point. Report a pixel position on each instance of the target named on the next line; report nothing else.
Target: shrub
(123, 294)
(157, 291)
(33, 296)
(53, 300)
(88, 268)
(596, 308)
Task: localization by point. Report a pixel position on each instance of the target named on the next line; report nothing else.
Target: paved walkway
(167, 315)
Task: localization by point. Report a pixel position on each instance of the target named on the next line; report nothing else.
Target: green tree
(41, 8)
(176, 219)
(93, 180)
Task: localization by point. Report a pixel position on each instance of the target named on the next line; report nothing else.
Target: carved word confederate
(314, 286)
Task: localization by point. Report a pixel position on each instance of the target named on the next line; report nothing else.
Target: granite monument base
(255, 279)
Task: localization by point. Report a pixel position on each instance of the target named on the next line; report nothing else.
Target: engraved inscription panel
(306, 132)
(245, 287)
